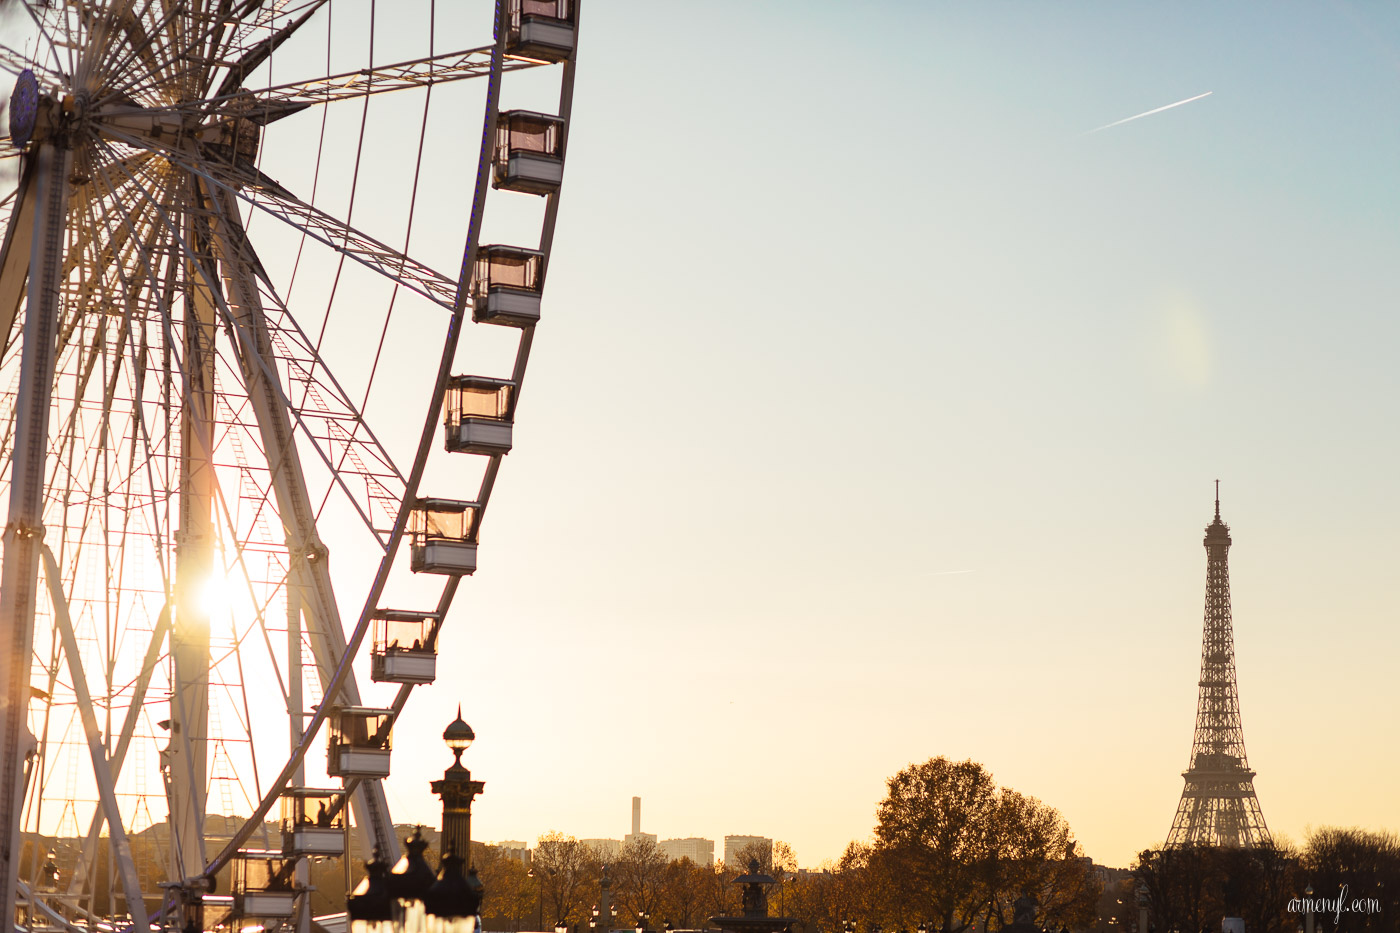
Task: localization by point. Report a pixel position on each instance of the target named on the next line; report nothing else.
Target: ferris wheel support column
(187, 756)
(24, 528)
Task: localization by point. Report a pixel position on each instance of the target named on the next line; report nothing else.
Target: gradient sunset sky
(877, 404)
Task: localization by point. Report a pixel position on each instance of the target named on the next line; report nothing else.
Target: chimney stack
(636, 816)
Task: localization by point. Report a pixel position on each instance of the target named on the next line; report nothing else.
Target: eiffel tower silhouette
(1218, 805)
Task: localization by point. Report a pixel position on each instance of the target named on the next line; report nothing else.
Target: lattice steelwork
(1218, 805)
(237, 241)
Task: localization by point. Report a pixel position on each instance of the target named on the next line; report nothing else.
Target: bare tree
(639, 876)
(564, 870)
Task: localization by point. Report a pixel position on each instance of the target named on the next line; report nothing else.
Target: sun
(217, 595)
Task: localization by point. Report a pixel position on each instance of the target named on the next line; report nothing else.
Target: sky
(877, 405)
(876, 410)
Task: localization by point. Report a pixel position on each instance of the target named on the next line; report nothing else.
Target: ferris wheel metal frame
(124, 103)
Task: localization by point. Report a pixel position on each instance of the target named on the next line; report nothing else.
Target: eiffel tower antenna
(1218, 804)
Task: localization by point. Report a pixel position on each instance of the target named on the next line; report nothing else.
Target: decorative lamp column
(457, 790)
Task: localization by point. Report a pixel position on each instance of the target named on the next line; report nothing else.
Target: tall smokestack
(636, 816)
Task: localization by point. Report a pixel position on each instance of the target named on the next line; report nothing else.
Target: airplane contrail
(1150, 112)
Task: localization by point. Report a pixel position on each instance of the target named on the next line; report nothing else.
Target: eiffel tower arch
(1218, 804)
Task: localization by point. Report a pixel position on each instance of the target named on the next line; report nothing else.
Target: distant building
(699, 851)
(605, 849)
(1108, 877)
(733, 845)
(636, 834)
(514, 850)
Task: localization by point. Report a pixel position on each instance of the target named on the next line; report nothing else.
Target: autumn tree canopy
(957, 850)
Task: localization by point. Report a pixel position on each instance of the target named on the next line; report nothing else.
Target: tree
(639, 876)
(509, 892)
(1032, 850)
(1190, 887)
(683, 885)
(564, 870)
(755, 852)
(1367, 863)
(717, 897)
(814, 901)
(956, 849)
(933, 828)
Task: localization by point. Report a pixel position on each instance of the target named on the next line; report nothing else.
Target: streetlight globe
(458, 735)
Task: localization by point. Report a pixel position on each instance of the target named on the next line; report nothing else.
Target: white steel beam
(25, 526)
(154, 650)
(186, 757)
(102, 773)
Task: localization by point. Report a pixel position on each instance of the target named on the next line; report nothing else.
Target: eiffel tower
(1218, 805)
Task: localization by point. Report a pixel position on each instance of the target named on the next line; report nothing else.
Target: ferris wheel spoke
(253, 57)
(45, 34)
(137, 45)
(94, 260)
(15, 61)
(271, 198)
(268, 104)
(350, 443)
(154, 650)
(204, 51)
(309, 566)
(120, 845)
(263, 369)
(421, 72)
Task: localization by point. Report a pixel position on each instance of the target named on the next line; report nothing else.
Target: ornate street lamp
(454, 901)
(457, 790)
(370, 906)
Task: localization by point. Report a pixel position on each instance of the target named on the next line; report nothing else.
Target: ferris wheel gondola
(213, 327)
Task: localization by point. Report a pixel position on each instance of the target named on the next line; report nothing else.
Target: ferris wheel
(245, 449)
